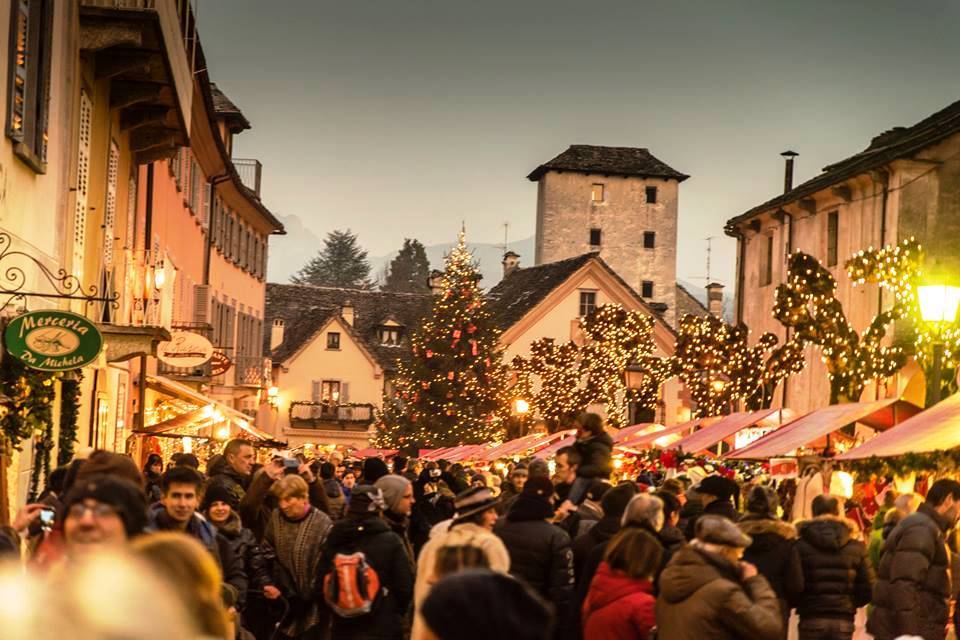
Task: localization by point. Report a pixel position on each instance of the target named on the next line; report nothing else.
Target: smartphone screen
(47, 517)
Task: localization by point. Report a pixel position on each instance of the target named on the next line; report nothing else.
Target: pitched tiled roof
(305, 309)
(622, 161)
(223, 106)
(894, 143)
(523, 289)
(687, 304)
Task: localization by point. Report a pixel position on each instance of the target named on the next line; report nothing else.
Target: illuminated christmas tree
(550, 380)
(452, 391)
(807, 302)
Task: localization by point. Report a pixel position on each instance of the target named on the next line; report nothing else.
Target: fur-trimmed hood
(828, 532)
(757, 526)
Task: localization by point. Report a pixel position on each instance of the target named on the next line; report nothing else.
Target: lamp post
(520, 410)
(938, 307)
(633, 377)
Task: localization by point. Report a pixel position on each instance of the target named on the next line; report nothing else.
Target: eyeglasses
(99, 510)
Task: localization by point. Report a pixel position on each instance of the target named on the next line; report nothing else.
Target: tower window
(649, 239)
(596, 194)
(833, 229)
(594, 237)
(651, 195)
(588, 302)
(646, 289)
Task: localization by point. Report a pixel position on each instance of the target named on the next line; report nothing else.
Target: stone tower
(619, 201)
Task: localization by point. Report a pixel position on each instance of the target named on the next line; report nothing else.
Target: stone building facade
(905, 183)
(620, 202)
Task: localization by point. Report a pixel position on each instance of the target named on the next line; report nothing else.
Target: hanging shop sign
(219, 364)
(53, 340)
(784, 468)
(185, 349)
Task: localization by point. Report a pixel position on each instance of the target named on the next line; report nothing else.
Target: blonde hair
(290, 486)
(192, 571)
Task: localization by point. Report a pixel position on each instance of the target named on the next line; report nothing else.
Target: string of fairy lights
(457, 390)
(453, 389)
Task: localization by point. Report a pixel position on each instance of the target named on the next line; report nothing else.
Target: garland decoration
(30, 415)
(943, 462)
(69, 415)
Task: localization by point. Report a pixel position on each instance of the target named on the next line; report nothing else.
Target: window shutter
(131, 231)
(201, 303)
(344, 392)
(194, 187)
(19, 38)
(207, 205)
(110, 211)
(315, 391)
(83, 183)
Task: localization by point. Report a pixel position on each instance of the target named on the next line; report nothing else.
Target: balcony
(146, 48)
(323, 415)
(249, 171)
(250, 371)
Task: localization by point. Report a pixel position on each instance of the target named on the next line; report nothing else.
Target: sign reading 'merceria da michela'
(53, 340)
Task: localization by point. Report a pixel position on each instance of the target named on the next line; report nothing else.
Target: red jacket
(618, 607)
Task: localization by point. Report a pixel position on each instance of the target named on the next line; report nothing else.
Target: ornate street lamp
(633, 377)
(938, 307)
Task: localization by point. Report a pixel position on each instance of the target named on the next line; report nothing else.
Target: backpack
(352, 586)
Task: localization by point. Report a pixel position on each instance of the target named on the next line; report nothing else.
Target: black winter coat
(385, 552)
(599, 534)
(595, 453)
(912, 594)
(770, 552)
(829, 574)
(722, 508)
(243, 547)
(540, 552)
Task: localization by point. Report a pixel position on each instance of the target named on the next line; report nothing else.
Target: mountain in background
(290, 252)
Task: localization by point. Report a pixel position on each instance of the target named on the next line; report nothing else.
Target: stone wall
(566, 214)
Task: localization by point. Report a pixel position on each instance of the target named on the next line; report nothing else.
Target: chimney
(788, 169)
(434, 281)
(511, 262)
(715, 299)
(347, 313)
(276, 333)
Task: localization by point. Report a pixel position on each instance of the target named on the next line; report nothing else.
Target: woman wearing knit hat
(540, 551)
(707, 591)
(220, 507)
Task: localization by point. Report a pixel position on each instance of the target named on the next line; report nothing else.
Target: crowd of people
(327, 548)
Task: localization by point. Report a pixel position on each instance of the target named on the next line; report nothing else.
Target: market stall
(660, 437)
(815, 429)
(736, 430)
(936, 429)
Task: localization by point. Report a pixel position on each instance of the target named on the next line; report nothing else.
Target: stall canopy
(627, 432)
(374, 453)
(565, 441)
(727, 427)
(207, 412)
(879, 415)
(937, 428)
(538, 444)
(665, 436)
(505, 448)
(467, 452)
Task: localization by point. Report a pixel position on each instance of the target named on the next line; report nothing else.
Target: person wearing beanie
(828, 575)
(220, 506)
(540, 552)
(398, 497)
(772, 541)
(152, 471)
(479, 605)
(102, 511)
(708, 591)
(472, 525)
(364, 530)
(373, 470)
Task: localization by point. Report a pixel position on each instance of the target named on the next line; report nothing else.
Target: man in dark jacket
(539, 551)
(829, 576)
(912, 594)
(613, 504)
(177, 511)
(512, 488)
(363, 529)
(715, 494)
